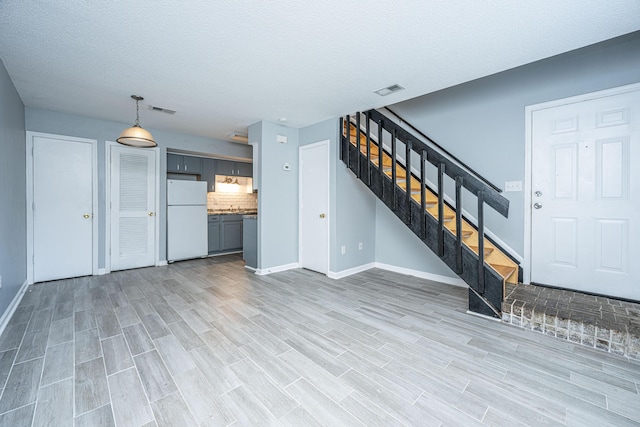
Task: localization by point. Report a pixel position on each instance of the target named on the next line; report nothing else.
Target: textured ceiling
(224, 65)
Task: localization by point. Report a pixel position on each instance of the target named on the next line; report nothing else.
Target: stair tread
(506, 271)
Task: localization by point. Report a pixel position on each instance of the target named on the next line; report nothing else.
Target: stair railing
(485, 193)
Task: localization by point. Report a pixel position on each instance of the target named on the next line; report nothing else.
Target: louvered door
(133, 202)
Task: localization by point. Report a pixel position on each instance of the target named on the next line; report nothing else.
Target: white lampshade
(135, 136)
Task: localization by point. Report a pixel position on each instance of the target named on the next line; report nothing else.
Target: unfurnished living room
(319, 214)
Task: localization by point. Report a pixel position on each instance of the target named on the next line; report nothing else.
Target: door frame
(528, 166)
(326, 143)
(107, 191)
(30, 202)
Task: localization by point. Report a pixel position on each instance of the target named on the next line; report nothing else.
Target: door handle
(321, 215)
(151, 214)
(86, 215)
(537, 205)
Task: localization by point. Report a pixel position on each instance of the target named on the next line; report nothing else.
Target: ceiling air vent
(162, 110)
(389, 89)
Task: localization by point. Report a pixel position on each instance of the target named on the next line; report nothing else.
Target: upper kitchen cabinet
(177, 163)
(209, 173)
(228, 167)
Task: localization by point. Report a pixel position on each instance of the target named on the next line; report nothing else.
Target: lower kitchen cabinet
(231, 234)
(214, 233)
(225, 233)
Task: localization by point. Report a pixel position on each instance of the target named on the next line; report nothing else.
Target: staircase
(396, 171)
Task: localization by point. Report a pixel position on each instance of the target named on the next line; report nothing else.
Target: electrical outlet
(360, 246)
(343, 249)
(513, 186)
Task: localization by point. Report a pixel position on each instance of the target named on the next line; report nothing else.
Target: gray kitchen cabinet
(225, 233)
(228, 167)
(244, 169)
(225, 167)
(209, 173)
(214, 233)
(177, 163)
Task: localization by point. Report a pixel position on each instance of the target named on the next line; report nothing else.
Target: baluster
(368, 149)
(342, 138)
(423, 192)
(407, 161)
(481, 242)
(345, 147)
(380, 165)
(358, 144)
(459, 224)
(441, 168)
(393, 168)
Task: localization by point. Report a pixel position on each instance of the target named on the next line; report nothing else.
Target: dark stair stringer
(482, 264)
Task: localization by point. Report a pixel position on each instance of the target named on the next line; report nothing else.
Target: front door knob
(86, 216)
(321, 215)
(537, 205)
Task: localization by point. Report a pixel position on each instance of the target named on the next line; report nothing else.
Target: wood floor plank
(171, 411)
(55, 404)
(102, 416)
(203, 400)
(22, 385)
(156, 379)
(116, 354)
(58, 363)
(130, 404)
(91, 390)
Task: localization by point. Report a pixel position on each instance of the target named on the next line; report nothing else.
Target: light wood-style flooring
(208, 343)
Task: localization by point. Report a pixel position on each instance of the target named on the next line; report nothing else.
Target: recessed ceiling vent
(389, 89)
(161, 110)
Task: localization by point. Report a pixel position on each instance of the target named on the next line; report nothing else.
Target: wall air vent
(162, 110)
(389, 89)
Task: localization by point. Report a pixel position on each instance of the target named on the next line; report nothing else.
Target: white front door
(62, 208)
(314, 207)
(585, 218)
(133, 201)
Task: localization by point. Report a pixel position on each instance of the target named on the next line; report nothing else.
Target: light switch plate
(513, 186)
(281, 139)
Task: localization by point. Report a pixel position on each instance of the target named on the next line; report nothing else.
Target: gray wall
(483, 121)
(277, 195)
(13, 226)
(352, 210)
(38, 120)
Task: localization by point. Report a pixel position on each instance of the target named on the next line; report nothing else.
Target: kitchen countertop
(232, 213)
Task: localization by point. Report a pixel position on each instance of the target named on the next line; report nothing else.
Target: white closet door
(314, 207)
(133, 201)
(63, 214)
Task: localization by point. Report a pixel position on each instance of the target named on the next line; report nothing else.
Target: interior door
(586, 195)
(133, 201)
(314, 207)
(62, 208)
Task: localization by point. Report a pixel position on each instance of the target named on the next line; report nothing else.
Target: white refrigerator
(186, 219)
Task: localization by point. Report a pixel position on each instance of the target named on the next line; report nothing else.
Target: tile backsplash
(223, 201)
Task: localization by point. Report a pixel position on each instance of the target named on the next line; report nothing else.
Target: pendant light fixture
(136, 136)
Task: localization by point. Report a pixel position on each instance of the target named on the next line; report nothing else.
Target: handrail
(492, 197)
(445, 151)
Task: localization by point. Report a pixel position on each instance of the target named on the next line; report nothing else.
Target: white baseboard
(350, 271)
(277, 269)
(162, 263)
(416, 273)
(455, 281)
(250, 268)
(6, 316)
